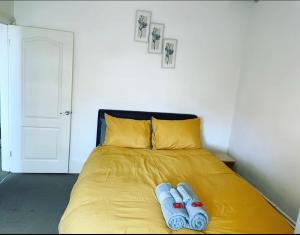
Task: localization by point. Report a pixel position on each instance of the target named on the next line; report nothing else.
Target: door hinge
(8, 41)
(10, 154)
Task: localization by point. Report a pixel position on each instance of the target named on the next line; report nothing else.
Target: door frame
(5, 104)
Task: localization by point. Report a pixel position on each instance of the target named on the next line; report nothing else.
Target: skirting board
(289, 220)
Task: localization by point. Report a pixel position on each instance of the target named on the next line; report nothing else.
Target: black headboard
(138, 115)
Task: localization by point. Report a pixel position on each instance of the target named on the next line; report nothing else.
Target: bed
(115, 190)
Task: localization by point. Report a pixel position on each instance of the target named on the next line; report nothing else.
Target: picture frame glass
(169, 53)
(142, 25)
(156, 35)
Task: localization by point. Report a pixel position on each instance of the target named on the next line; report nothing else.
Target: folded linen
(176, 218)
(198, 218)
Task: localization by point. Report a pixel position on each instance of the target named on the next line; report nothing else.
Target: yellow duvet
(115, 194)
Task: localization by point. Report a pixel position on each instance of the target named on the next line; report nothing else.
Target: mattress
(115, 194)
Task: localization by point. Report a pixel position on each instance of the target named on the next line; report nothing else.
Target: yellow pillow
(129, 133)
(176, 134)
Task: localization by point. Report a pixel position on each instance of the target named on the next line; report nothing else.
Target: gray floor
(33, 203)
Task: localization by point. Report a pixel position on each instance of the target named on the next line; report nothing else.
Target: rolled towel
(175, 194)
(176, 218)
(198, 218)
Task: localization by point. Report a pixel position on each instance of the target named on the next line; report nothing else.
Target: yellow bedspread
(115, 194)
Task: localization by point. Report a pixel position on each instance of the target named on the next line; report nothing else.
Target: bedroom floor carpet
(34, 203)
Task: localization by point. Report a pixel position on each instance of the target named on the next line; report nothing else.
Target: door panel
(41, 78)
(40, 143)
(40, 66)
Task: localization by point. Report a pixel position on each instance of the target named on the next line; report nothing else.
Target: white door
(40, 77)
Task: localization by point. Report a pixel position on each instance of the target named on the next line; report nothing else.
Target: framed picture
(169, 53)
(142, 25)
(156, 35)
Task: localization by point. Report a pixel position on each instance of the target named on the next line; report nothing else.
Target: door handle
(66, 113)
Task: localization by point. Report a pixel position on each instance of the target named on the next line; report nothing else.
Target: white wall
(112, 71)
(6, 12)
(266, 130)
(4, 117)
(6, 17)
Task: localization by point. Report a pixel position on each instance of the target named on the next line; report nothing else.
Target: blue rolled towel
(175, 194)
(176, 218)
(198, 218)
